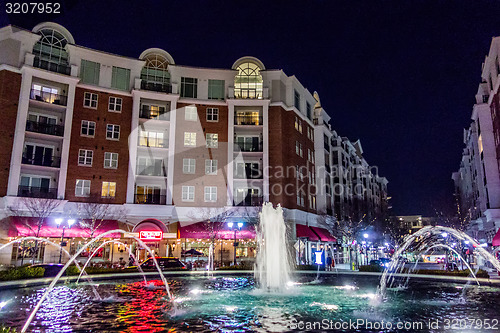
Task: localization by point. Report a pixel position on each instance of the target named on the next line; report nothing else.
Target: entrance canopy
(305, 231)
(323, 234)
(496, 239)
(28, 226)
(205, 230)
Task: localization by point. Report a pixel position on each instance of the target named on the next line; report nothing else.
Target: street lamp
(59, 221)
(237, 227)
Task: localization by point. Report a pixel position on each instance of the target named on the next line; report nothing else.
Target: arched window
(248, 81)
(50, 52)
(154, 74)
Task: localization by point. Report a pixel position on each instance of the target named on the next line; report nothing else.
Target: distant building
(413, 223)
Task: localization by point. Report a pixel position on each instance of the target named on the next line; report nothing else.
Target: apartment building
(477, 182)
(174, 146)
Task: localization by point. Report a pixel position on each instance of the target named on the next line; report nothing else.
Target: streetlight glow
(444, 234)
(240, 225)
(59, 221)
(365, 235)
(71, 222)
(230, 224)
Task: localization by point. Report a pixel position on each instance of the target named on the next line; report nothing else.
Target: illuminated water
(233, 304)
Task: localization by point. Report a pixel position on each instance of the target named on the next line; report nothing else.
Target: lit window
(82, 188)
(188, 193)
(191, 113)
(210, 193)
(90, 100)
(211, 167)
(189, 139)
(248, 81)
(115, 104)
(212, 114)
(108, 189)
(152, 139)
(85, 157)
(212, 140)
(188, 165)
(88, 128)
(110, 160)
(113, 132)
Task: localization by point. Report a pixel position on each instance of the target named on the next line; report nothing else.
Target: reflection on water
(230, 304)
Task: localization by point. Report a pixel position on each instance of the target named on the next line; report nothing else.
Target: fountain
(272, 269)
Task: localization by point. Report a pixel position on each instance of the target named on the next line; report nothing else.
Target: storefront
(311, 240)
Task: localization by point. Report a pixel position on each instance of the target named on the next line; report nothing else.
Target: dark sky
(399, 75)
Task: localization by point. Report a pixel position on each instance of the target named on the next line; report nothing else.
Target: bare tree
(92, 215)
(37, 208)
(348, 230)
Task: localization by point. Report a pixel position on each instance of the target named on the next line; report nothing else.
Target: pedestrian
(328, 263)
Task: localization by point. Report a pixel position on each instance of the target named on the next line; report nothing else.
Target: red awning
(305, 231)
(496, 239)
(323, 234)
(28, 226)
(203, 231)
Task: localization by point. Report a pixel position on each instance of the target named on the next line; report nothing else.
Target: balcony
(155, 86)
(254, 146)
(158, 114)
(37, 192)
(47, 97)
(44, 128)
(151, 171)
(248, 120)
(153, 142)
(249, 201)
(52, 66)
(248, 173)
(150, 199)
(42, 160)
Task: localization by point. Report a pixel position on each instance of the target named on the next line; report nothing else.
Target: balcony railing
(155, 86)
(154, 114)
(248, 174)
(151, 171)
(248, 146)
(150, 199)
(52, 66)
(44, 128)
(47, 97)
(37, 192)
(248, 120)
(44, 160)
(249, 201)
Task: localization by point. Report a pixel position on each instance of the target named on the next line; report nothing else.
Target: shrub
(244, 266)
(306, 267)
(23, 272)
(371, 268)
(5, 329)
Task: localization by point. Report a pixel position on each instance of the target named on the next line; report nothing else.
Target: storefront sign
(151, 235)
(319, 257)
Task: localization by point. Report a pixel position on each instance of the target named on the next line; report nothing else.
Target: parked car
(165, 263)
(375, 262)
(51, 270)
(385, 262)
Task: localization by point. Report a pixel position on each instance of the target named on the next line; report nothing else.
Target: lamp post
(59, 222)
(237, 227)
(366, 246)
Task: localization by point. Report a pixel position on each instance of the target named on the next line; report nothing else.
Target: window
(188, 193)
(115, 104)
(210, 193)
(297, 123)
(189, 87)
(298, 148)
(108, 189)
(188, 165)
(110, 160)
(155, 73)
(212, 114)
(50, 52)
(90, 100)
(88, 128)
(153, 139)
(300, 125)
(120, 78)
(47, 94)
(89, 72)
(212, 140)
(191, 113)
(296, 100)
(85, 157)
(113, 132)
(82, 188)
(189, 139)
(215, 89)
(248, 81)
(210, 167)
(308, 110)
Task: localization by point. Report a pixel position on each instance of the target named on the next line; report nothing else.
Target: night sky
(399, 75)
